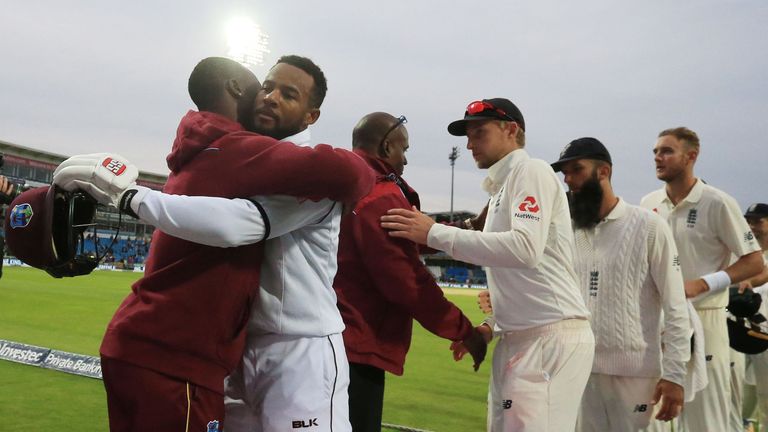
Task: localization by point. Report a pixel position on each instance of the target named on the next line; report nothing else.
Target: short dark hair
(208, 79)
(683, 134)
(321, 85)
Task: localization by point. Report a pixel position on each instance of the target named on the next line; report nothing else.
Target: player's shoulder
(533, 170)
(246, 140)
(716, 195)
(538, 165)
(653, 199)
(638, 214)
(641, 211)
(385, 195)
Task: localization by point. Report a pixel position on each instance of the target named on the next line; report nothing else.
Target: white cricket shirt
(708, 227)
(526, 245)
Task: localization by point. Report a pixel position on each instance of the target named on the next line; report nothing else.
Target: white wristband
(717, 281)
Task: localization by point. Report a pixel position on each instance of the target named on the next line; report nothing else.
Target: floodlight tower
(247, 42)
(452, 157)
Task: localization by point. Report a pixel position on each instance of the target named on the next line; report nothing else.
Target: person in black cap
(626, 262)
(543, 360)
(757, 218)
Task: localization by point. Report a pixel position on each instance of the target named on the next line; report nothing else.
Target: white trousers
(287, 384)
(738, 370)
(616, 403)
(760, 366)
(538, 377)
(710, 409)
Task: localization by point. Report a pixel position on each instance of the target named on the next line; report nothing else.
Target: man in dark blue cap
(757, 218)
(627, 266)
(544, 356)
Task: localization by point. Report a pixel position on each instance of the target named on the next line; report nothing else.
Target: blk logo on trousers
(299, 424)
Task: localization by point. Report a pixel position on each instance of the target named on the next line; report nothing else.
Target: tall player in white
(708, 229)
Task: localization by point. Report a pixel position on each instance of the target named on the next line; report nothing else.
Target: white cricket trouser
(710, 409)
(538, 377)
(289, 383)
(616, 403)
(738, 370)
(760, 367)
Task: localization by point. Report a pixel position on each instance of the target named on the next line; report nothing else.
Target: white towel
(696, 379)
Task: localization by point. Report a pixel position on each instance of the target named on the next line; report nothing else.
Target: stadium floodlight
(452, 157)
(247, 42)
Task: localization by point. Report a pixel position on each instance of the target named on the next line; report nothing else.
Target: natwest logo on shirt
(114, 166)
(529, 205)
(527, 209)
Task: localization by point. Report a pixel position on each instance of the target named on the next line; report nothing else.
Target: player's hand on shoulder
(409, 224)
(104, 176)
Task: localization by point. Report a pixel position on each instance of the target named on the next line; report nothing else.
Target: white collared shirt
(526, 245)
(708, 228)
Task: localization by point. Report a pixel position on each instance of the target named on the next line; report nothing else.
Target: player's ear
(312, 115)
(603, 171)
(693, 155)
(386, 148)
(233, 88)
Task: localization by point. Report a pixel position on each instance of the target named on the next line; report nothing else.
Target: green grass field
(435, 393)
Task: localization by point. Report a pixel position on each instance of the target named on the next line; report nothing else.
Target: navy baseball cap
(487, 109)
(583, 148)
(757, 210)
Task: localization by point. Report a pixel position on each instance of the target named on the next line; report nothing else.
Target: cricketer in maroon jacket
(187, 316)
(382, 285)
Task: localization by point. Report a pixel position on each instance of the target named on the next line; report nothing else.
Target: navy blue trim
(329, 212)
(335, 377)
(267, 226)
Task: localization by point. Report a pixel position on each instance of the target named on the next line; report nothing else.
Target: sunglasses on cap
(478, 107)
(400, 121)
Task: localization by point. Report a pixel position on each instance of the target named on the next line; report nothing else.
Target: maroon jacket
(187, 316)
(382, 285)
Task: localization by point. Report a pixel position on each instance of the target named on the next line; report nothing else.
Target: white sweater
(630, 278)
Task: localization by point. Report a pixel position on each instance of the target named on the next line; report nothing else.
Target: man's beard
(585, 204)
(246, 111)
(278, 132)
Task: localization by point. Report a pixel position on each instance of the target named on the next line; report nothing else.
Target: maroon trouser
(140, 400)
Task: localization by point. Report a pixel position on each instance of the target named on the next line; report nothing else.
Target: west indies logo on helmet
(21, 215)
(45, 226)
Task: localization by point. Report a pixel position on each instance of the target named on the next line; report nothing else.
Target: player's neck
(679, 187)
(610, 200)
